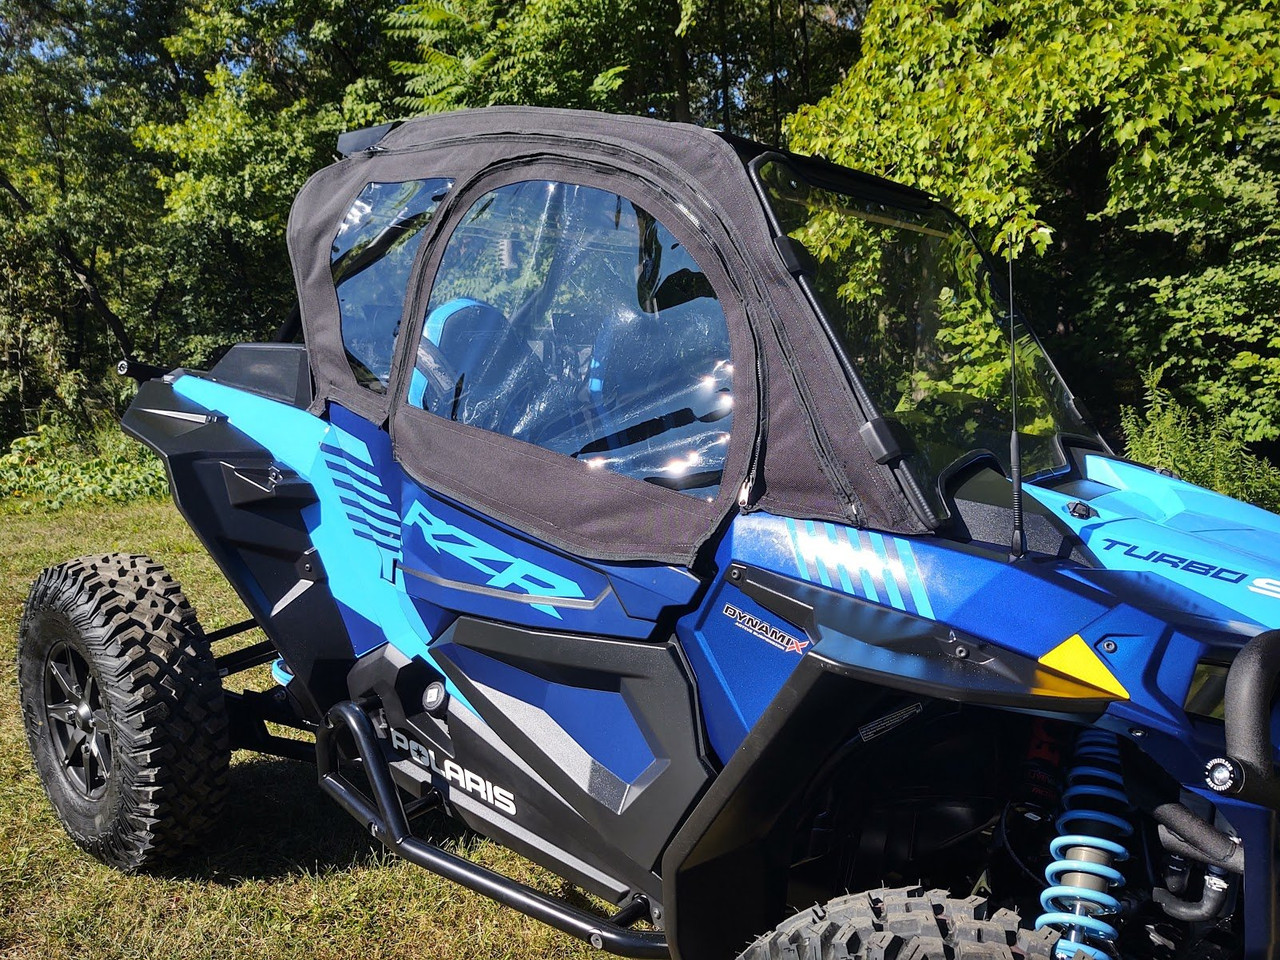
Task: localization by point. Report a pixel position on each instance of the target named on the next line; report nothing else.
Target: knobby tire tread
(906, 923)
(171, 746)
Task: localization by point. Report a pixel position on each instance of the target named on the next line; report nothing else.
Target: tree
(740, 66)
(74, 195)
(153, 151)
(1130, 146)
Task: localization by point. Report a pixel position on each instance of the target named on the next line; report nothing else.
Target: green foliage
(742, 66)
(1205, 450)
(1131, 146)
(152, 152)
(54, 468)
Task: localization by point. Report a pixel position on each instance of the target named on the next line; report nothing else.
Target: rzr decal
(764, 631)
(504, 571)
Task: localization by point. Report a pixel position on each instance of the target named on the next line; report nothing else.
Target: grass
(287, 874)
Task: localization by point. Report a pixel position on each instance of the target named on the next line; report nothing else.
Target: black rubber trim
(384, 816)
(1251, 689)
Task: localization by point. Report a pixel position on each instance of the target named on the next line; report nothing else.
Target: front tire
(908, 923)
(123, 708)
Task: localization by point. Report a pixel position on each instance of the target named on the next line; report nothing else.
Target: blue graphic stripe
(854, 539)
(354, 479)
(347, 469)
(359, 492)
(385, 517)
(372, 527)
(886, 566)
(893, 586)
(335, 450)
(356, 532)
(801, 567)
(872, 565)
(923, 606)
(833, 536)
(358, 471)
(823, 576)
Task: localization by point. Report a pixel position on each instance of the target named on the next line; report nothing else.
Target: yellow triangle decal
(1073, 658)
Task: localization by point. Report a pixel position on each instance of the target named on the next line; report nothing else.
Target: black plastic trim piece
(277, 371)
(249, 484)
(639, 818)
(570, 603)
(384, 816)
(886, 440)
(890, 648)
(1251, 689)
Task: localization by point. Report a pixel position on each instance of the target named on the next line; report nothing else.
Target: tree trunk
(84, 275)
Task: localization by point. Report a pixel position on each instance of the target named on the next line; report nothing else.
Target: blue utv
(644, 498)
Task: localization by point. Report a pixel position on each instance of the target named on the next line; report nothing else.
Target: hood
(1213, 553)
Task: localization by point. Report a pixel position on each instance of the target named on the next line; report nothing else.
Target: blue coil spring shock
(1091, 831)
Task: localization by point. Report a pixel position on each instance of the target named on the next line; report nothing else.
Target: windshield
(909, 296)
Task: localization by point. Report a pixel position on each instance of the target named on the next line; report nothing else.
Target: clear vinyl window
(570, 318)
(372, 254)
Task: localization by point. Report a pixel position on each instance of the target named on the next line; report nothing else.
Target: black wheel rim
(78, 723)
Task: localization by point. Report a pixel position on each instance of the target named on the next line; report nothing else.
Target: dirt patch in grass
(286, 874)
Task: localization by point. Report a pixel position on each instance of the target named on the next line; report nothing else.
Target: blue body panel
(402, 563)
(1202, 543)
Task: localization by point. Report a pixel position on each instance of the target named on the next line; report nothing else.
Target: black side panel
(247, 511)
(641, 816)
(543, 828)
(631, 822)
(725, 873)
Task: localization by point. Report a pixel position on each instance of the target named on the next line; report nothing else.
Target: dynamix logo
(496, 797)
(765, 631)
(1265, 586)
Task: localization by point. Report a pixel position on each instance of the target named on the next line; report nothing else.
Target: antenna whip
(1018, 542)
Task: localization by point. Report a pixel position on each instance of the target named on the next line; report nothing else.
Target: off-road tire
(151, 683)
(908, 923)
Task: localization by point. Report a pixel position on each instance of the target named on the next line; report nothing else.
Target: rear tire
(908, 923)
(123, 708)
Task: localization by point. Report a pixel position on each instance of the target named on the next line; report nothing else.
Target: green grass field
(286, 874)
